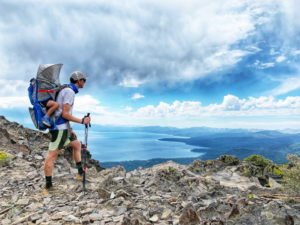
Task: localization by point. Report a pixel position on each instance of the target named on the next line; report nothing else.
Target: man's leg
(48, 166)
(76, 146)
(58, 138)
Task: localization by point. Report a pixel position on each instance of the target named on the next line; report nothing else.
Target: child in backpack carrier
(42, 92)
(51, 107)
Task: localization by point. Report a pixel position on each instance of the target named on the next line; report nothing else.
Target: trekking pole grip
(86, 125)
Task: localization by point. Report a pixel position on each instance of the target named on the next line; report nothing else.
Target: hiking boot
(79, 177)
(51, 190)
(46, 121)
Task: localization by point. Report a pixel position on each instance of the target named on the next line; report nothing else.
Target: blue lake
(126, 146)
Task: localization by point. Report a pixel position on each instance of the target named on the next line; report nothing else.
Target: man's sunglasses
(84, 80)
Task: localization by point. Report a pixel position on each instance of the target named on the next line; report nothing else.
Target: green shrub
(291, 175)
(229, 159)
(258, 160)
(277, 170)
(246, 171)
(5, 158)
(170, 174)
(208, 162)
(171, 169)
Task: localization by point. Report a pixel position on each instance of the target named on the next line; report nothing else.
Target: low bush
(258, 160)
(5, 158)
(291, 175)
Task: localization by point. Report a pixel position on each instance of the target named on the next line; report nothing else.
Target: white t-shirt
(65, 96)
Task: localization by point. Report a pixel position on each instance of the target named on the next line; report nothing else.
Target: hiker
(64, 135)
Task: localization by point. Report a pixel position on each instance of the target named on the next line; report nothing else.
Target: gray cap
(77, 75)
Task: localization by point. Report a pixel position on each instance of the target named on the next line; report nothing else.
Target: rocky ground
(204, 192)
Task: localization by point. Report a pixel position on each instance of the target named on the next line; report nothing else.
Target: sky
(193, 63)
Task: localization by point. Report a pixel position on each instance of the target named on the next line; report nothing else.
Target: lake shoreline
(134, 164)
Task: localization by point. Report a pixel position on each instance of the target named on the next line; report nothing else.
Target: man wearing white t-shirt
(63, 135)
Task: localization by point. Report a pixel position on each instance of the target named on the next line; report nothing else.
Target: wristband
(82, 120)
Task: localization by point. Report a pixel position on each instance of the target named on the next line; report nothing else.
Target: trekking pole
(84, 154)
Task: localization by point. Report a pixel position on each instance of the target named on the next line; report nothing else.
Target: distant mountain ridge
(271, 144)
(189, 132)
(170, 130)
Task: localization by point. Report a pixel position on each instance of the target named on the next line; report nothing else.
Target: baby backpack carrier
(41, 89)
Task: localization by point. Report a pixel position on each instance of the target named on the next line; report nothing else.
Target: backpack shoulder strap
(60, 88)
(60, 119)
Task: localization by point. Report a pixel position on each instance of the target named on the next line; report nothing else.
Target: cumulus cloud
(88, 103)
(280, 59)
(130, 82)
(128, 44)
(83, 104)
(137, 96)
(128, 108)
(231, 106)
(13, 88)
(163, 109)
(231, 112)
(14, 102)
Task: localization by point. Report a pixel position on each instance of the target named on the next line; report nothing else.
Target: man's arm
(66, 109)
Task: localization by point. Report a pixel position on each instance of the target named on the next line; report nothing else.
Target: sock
(79, 167)
(49, 182)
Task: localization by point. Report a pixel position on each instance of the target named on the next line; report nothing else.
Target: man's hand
(86, 120)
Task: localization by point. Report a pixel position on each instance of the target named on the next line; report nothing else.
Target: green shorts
(60, 139)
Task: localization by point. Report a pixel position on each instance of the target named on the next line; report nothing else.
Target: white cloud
(233, 112)
(287, 85)
(177, 108)
(130, 82)
(137, 96)
(87, 103)
(14, 88)
(128, 108)
(231, 106)
(131, 44)
(273, 52)
(231, 102)
(83, 104)
(14, 102)
(295, 52)
(262, 65)
(280, 59)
